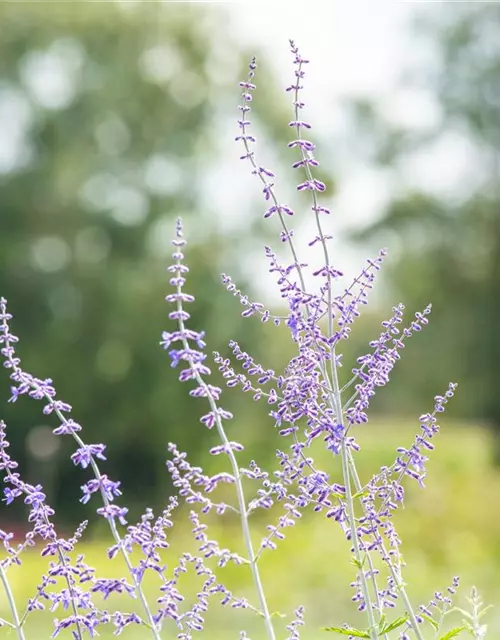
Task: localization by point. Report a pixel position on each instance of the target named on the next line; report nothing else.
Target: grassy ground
(451, 528)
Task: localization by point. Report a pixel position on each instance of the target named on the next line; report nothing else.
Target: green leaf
(483, 611)
(348, 632)
(360, 494)
(277, 614)
(452, 633)
(429, 619)
(394, 624)
(273, 614)
(340, 496)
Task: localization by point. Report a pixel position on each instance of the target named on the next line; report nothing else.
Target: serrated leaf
(348, 632)
(429, 619)
(393, 625)
(452, 633)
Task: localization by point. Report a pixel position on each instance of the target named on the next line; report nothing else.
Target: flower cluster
(307, 407)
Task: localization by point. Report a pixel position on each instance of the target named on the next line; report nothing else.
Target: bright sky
(357, 48)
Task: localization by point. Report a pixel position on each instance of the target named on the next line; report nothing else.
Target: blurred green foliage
(110, 118)
(449, 241)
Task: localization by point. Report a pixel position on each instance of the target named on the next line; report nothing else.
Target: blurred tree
(450, 240)
(108, 120)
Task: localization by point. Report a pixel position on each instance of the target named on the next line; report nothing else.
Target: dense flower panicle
(306, 148)
(63, 569)
(44, 390)
(385, 492)
(193, 619)
(234, 379)
(304, 394)
(290, 290)
(268, 186)
(192, 484)
(345, 307)
(40, 513)
(271, 491)
(72, 598)
(440, 602)
(191, 357)
(376, 367)
(253, 308)
(309, 412)
(150, 537)
(412, 461)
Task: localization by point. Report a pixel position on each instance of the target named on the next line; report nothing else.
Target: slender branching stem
(242, 505)
(118, 541)
(12, 604)
(395, 575)
(114, 531)
(354, 540)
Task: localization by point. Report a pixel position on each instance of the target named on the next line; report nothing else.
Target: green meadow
(450, 528)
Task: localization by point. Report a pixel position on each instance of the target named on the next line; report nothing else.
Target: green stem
(394, 573)
(252, 557)
(354, 539)
(114, 532)
(12, 604)
(111, 521)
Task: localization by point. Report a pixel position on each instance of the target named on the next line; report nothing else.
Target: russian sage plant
(311, 406)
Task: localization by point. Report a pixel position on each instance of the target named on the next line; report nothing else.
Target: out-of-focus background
(117, 117)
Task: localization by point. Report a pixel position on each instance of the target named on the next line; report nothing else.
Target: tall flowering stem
(373, 372)
(195, 370)
(84, 456)
(307, 409)
(315, 186)
(307, 161)
(347, 460)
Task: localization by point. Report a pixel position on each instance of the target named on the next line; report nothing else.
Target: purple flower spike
(316, 404)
